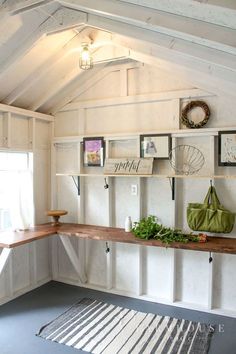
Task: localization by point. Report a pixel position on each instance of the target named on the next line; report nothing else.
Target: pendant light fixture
(85, 59)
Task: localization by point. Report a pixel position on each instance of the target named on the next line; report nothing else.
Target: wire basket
(186, 159)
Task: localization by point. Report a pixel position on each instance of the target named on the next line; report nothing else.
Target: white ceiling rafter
(64, 81)
(200, 47)
(42, 70)
(54, 89)
(114, 16)
(22, 49)
(149, 55)
(85, 34)
(61, 20)
(89, 81)
(218, 12)
(190, 56)
(13, 7)
(191, 30)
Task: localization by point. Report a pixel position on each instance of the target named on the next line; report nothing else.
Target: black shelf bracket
(77, 183)
(172, 186)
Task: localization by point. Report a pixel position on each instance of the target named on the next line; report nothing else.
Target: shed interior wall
(183, 278)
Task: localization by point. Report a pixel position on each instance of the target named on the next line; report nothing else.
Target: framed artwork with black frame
(227, 148)
(94, 151)
(157, 146)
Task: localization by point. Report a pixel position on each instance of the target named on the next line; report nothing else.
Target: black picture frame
(152, 142)
(93, 152)
(227, 148)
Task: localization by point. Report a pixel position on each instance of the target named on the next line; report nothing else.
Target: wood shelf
(148, 176)
(176, 133)
(13, 239)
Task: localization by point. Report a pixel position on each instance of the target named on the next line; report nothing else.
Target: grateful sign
(129, 166)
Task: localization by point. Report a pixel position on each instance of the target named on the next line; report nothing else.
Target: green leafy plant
(148, 228)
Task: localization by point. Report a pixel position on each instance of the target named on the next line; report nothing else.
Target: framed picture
(227, 148)
(157, 146)
(93, 151)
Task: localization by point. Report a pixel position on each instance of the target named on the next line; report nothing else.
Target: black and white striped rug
(98, 327)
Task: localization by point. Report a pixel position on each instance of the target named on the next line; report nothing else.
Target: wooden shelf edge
(148, 176)
(13, 239)
(131, 135)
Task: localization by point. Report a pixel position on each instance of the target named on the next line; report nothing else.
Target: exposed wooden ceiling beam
(189, 55)
(191, 30)
(84, 82)
(55, 88)
(61, 20)
(20, 51)
(64, 81)
(25, 112)
(218, 12)
(205, 81)
(43, 69)
(88, 81)
(12, 7)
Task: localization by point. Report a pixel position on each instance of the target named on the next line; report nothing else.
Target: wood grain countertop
(10, 239)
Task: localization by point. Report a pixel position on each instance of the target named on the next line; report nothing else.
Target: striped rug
(98, 327)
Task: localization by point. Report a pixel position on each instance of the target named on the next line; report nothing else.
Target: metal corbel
(77, 183)
(172, 186)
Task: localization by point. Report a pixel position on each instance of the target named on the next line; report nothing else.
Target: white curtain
(18, 194)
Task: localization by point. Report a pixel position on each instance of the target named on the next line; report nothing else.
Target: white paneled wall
(29, 265)
(182, 278)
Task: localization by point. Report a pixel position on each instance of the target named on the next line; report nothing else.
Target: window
(16, 190)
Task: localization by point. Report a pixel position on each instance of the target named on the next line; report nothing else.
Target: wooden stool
(56, 215)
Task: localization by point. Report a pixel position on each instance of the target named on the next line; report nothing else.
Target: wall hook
(107, 248)
(106, 185)
(210, 258)
(211, 182)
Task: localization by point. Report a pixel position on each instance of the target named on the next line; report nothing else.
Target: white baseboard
(189, 306)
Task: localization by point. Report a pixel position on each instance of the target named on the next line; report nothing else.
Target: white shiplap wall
(182, 278)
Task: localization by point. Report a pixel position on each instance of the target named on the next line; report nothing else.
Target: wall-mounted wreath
(189, 107)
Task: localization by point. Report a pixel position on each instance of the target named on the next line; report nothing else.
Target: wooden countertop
(15, 238)
(10, 239)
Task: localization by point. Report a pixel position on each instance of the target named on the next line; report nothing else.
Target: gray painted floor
(20, 319)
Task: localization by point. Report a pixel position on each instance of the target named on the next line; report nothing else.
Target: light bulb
(85, 60)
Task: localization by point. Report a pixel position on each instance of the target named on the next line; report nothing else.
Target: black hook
(210, 258)
(211, 182)
(107, 248)
(106, 185)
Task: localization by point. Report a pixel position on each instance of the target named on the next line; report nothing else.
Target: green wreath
(190, 106)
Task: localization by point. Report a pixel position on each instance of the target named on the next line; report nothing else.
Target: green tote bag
(210, 216)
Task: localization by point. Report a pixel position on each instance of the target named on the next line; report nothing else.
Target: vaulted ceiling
(40, 43)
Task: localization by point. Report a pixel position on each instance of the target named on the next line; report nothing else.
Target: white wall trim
(25, 112)
(147, 98)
